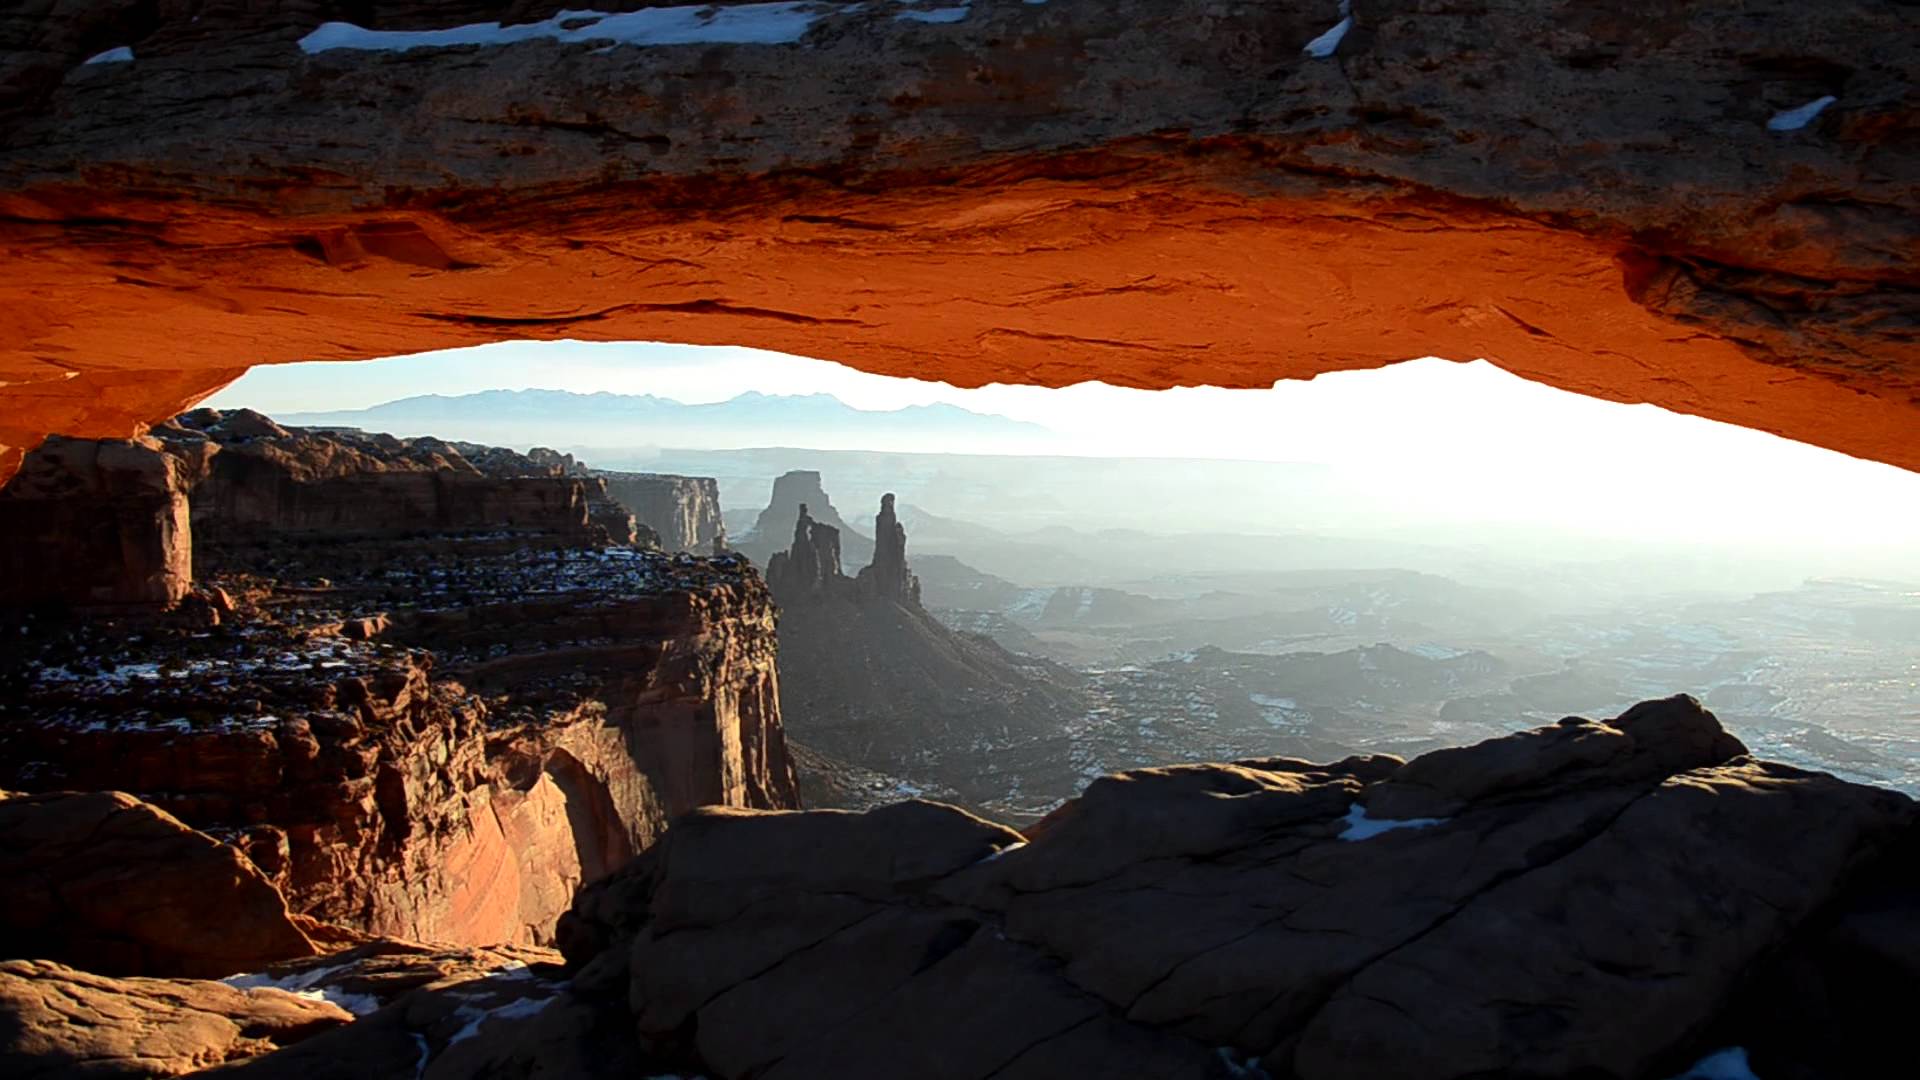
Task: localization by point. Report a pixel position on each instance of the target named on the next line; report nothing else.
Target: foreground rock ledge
(1573, 883)
(1151, 192)
(60, 1022)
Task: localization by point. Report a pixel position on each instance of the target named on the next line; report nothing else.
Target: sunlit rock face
(1644, 207)
(92, 522)
(683, 510)
(416, 683)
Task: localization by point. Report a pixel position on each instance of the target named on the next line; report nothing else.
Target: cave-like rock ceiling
(1638, 202)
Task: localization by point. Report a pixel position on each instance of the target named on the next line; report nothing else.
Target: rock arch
(1150, 192)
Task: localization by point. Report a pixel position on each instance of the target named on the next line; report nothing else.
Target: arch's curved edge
(1152, 194)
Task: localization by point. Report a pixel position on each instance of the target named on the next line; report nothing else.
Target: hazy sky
(1459, 438)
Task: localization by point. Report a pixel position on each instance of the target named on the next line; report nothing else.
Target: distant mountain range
(563, 418)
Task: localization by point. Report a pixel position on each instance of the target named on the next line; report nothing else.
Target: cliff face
(254, 480)
(1708, 208)
(683, 510)
(93, 523)
(428, 732)
(449, 773)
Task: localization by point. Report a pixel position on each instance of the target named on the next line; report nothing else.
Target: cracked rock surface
(1582, 881)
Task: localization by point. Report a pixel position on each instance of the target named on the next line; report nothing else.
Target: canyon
(329, 753)
(425, 762)
(1150, 193)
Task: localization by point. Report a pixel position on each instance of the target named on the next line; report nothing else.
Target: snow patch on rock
(1728, 1064)
(303, 984)
(1361, 827)
(1795, 119)
(937, 15)
(1323, 46)
(745, 24)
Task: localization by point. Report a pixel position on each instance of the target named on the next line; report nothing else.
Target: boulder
(96, 523)
(106, 882)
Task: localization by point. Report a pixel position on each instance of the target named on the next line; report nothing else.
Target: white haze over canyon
(1426, 442)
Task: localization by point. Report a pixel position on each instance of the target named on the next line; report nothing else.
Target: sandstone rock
(1592, 905)
(433, 728)
(887, 576)
(1833, 1003)
(683, 510)
(366, 977)
(810, 569)
(93, 523)
(1602, 206)
(791, 491)
(56, 1021)
(1650, 740)
(109, 883)
(479, 1018)
(255, 482)
(96, 523)
(456, 796)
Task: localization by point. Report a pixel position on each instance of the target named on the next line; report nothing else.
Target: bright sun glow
(1454, 441)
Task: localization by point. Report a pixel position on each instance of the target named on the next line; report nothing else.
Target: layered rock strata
(252, 481)
(1709, 209)
(1587, 901)
(683, 510)
(571, 703)
(413, 683)
(97, 523)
